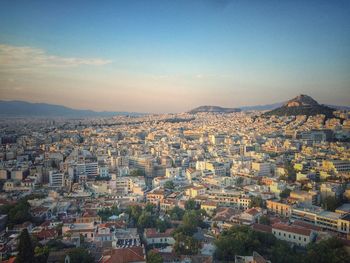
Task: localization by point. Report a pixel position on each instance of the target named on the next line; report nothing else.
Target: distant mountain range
(214, 109)
(302, 105)
(28, 109)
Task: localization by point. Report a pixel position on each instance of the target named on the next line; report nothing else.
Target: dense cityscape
(190, 187)
(187, 131)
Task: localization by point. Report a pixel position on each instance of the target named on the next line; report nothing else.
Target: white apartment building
(56, 179)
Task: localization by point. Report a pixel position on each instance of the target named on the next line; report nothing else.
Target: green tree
(162, 225)
(105, 213)
(146, 220)
(285, 193)
(330, 203)
(291, 173)
(239, 181)
(18, 213)
(150, 207)
(256, 201)
(176, 213)
(153, 257)
(185, 245)
(191, 205)
(191, 218)
(134, 213)
(137, 172)
(327, 251)
(41, 254)
(242, 240)
(282, 253)
(265, 220)
(25, 248)
(80, 255)
(169, 185)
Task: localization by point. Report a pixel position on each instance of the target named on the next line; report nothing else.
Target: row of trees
(108, 212)
(147, 218)
(28, 252)
(192, 219)
(242, 240)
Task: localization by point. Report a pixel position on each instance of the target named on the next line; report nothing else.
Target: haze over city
(171, 56)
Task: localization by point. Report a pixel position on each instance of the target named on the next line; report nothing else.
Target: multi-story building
(336, 166)
(277, 207)
(229, 198)
(262, 169)
(91, 169)
(195, 191)
(155, 196)
(325, 219)
(56, 179)
(308, 198)
(331, 190)
(103, 171)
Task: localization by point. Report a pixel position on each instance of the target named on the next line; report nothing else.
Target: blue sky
(169, 56)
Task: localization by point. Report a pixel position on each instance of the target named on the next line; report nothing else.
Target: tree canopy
(153, 257)
(25, 248)
(80, 255)
(18, 213)
(169, 185)
(242, 240)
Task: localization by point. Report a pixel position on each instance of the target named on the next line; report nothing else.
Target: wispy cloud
(15, 57)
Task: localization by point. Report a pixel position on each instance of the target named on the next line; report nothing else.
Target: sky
(173, 55)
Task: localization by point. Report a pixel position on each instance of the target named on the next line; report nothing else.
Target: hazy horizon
(167, 56)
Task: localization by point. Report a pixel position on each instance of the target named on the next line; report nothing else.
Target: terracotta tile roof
(262, 228)
(225, 213)
(292, 229)
(153, 233)
(124, 255)
(306, 225)
(252, 211)
(46, 234)
(10, 260)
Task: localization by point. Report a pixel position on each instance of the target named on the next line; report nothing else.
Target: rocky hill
(302, 105)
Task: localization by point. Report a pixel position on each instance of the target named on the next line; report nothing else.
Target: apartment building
(56, 179)
(277, 207)
(229, 198)
(325, 219)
